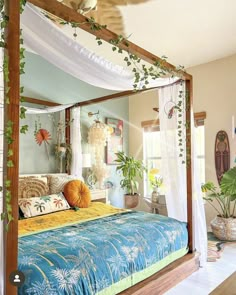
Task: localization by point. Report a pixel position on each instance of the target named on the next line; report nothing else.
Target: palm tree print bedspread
(87, 258)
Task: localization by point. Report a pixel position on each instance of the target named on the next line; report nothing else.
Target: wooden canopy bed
(168, 276)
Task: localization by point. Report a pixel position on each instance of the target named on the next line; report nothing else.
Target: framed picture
(115, 144)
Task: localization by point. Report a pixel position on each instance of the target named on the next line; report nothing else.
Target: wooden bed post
(11, 113)
(189, 113)
(67, 119)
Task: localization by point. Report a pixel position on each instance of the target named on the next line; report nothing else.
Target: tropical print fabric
(42, 205)
(89, 257)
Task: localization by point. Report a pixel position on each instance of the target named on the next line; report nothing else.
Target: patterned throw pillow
(57, 182)
(42, 205)
(33, 187)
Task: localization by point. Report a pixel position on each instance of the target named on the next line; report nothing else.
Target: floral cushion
(42, 205)
(57, 182)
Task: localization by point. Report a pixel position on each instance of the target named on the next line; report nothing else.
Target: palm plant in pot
(131, 170)
(224, 224)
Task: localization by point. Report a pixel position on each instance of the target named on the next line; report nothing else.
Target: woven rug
(215, 247)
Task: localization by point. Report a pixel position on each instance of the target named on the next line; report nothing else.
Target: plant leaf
(228, 182)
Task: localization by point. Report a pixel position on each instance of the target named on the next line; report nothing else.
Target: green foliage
(24, 129)
(225, 196)
(8, 130)
(131, 170)
(22, 112)
(228, 182)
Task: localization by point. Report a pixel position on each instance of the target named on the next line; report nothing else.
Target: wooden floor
(207, 279)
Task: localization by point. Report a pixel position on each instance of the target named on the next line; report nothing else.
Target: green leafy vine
(8, 130)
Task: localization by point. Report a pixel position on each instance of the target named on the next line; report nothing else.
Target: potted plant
(131, 170)
(224, 224)
(156, 181)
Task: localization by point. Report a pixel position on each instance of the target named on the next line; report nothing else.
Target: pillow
(77, 194)
(33, 187)
(42, 205)
(57, 182)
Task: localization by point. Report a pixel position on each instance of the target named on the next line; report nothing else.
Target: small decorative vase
(155, 195)
(224, 228)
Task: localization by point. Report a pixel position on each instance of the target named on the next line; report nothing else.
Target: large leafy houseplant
(224, 225)
(131, 170)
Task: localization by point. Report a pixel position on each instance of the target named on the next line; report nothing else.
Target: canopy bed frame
(171, 274)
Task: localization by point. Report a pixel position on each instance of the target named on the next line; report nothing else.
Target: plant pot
(131, 201)
(224, 228)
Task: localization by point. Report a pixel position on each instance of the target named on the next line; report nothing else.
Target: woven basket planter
(224, 228)
(131, 201)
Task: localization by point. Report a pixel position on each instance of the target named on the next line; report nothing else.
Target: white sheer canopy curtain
(174, 171)
(199, 217)
(75, 137)
(49, 41)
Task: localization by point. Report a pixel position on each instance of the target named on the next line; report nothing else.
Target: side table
(156, 208)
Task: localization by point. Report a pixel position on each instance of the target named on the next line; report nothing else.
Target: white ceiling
(188, 32)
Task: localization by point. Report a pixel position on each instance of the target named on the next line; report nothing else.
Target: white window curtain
(174, 171)
(1, 170)
(49, 41)
(75, 136)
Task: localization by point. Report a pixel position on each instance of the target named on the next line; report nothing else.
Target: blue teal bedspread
(88, 257)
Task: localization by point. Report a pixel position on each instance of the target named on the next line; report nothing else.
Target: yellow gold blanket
(67, 217)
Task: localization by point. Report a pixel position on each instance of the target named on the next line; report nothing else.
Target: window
(152, 148)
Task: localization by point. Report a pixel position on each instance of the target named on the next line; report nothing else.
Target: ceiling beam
(62, 11)
(40, 101)
(112, 96)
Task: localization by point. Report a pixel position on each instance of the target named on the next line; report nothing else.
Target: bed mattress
(99, 255)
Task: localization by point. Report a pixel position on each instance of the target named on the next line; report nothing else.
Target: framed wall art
(115, 144)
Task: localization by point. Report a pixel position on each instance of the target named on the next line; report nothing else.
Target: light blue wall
(119, 109)
(45, 81)
(33, 158)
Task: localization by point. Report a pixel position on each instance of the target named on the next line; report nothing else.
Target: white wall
(214, 91)
(140, 109)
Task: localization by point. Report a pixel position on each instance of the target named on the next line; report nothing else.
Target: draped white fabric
(76, 165)
(1, 171)
(174, 171)
(49, 41)
(47, 110)
(199, 217)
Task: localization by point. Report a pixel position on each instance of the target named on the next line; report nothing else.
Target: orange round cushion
(77, 194)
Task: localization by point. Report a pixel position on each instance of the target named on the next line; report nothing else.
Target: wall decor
(98, 136)
(115, 144)
(222, 154)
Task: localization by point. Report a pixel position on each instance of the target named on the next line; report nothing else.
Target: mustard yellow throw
(67, 217)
